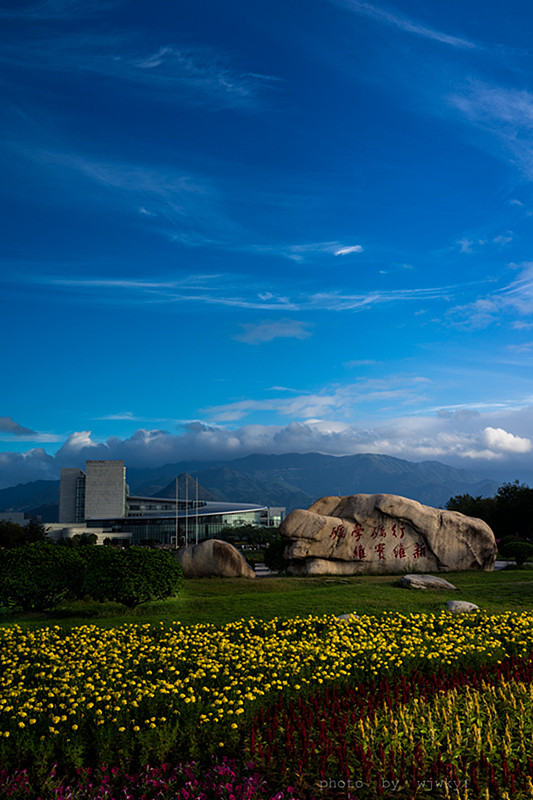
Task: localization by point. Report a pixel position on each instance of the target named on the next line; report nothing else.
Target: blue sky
(266, 227)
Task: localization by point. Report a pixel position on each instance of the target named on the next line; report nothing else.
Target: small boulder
(461, 607)
(424, 582)
(213, 558)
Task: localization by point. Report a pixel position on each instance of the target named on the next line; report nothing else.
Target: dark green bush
(274, 558)
(102, 573)
(36, 577)
(515, 548)
(130, 576)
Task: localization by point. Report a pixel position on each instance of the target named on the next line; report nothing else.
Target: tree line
(510, 515)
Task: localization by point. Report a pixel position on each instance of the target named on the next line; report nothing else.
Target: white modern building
(98, 501)
(72, 495)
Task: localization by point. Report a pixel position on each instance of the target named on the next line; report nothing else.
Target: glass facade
(154, 506)
(162, 529)
(80, 499)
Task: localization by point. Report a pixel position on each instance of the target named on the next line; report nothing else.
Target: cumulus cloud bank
(499, 441)
(460, 439)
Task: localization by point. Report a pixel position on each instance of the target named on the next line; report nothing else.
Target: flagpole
(176, 544)
(196, 509)
(186, 510)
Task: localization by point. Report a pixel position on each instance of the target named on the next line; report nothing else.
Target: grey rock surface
(424, 582)
(461, 607)
(213, 558)
(383, 534)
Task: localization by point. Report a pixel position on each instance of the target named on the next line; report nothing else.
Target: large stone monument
(213, 558)
(383, 533)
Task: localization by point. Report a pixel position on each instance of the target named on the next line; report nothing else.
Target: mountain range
(293, 480)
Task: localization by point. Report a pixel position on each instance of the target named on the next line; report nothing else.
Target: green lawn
(223, 600)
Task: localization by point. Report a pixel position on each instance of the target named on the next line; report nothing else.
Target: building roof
(211, 508)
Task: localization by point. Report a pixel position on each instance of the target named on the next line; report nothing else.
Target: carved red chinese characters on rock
(384, 533)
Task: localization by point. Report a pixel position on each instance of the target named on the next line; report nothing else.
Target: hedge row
(39, 576)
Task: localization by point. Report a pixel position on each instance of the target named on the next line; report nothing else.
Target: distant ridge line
(293, 480)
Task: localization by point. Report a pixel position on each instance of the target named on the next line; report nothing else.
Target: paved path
(261, 571)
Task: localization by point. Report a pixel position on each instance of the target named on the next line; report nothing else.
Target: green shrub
(101, 575)
(130, 576)
(518, 549)
(36, 577)
(274, 558)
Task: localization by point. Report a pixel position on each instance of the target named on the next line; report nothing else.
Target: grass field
(224, 600)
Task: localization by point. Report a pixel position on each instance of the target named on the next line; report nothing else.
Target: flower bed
(462, 733)
(155, 694)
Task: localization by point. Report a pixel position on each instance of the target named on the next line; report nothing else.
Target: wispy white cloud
(346, 251)
(191, 282)
(465, 245)
(337, 301)
(123, 416)
(477, 315)
(257, 333)
(490, 103)
(186, 74)
(363, 362)
(338, 400)
(519, 294)
(515, 298)
(189, 208)
(473, 245)
(302, 252)
(129, 416)
(404, 23)
(175, 204)
(160, 182)
(228, 291)
(284, 389)
(524, 347)
(502, 117)
(504, 239)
